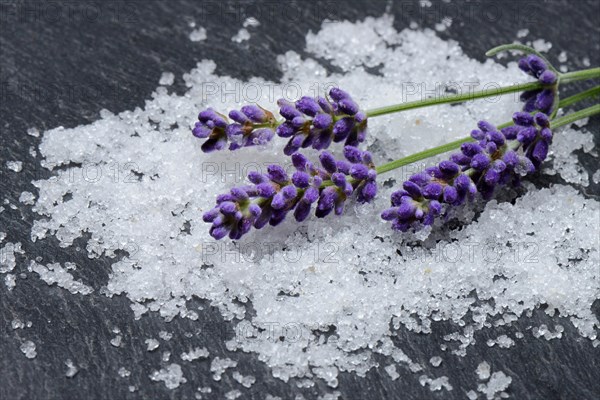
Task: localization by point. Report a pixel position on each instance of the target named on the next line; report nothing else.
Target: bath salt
(498, 382)
(198, 35)
(167, 79)
(55, 274)
(195, 354)
(72, 369)
(171, 375)
(241, 36)
(300, 296)
(28, 348)
(151, 344)
(27, 198)
(15, 166)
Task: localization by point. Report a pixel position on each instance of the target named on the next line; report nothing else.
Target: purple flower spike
(479, 168)
(319, 122)
(252, 126)
(539, 99)
(273, 195)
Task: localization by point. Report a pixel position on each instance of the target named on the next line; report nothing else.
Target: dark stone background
(63, 61)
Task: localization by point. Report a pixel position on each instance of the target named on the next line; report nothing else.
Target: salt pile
(138, 182)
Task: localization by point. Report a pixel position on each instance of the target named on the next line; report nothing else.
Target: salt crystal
(116, 341)
(233, 394)
(586, 62)
(241, 36)
(391, 370)
(55, 274)
(33, 132)
(219, 365)
(562, 57)
(10, 281)
(72, 369)
(167, 79)
(166, 356)
(251, 21)
(28, 348)
(164, 335)
(124, 372)
(195, 354)
(27, 198)
(16, 166)
(483, 370)
(152, 344)
(521, 33)
(541, 45)
(497, 383)
(595, 178)
(435, 361)
(198, 35)
(17, 324)
(172, 376)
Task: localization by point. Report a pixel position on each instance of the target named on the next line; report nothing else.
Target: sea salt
(117, 341)
(219, 365)
(391, 371)
(241, 36)
(15, 166)
(198, 35)
(28, 348)
(435, 361)
(27, 198)
(124, 372)
(483, 370)
(164, 335)
(172, 376)
(233, 394)
(521, 33)
(33, 132)
(195, 354)
(151, 344)
(167, 79)
(72, 369)
(595, 178)
(497, 384)
(55, 274)
(435, 384)
(10, 281)
(245, 381)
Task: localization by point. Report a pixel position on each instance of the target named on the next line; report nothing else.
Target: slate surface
(63, 61)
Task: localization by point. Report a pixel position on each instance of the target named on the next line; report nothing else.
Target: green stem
(459, 98)
(457, 143)
(570, 118)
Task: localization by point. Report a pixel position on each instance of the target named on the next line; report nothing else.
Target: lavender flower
(492, 160)
(253, 125)
(273, 195)
(318, 122)
(539, 99)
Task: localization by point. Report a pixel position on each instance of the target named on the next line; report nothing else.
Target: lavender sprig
(253, 125)
(494, 159)
(273, 195)
(321, 121)
(542, 99)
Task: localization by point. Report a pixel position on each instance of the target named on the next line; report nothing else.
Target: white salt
(10, 281)
(167, 79)
(241, 36)
(116, 341)
(219, 365)
(166, 356)
(245, 381)
(497, 384)
(595, 178)
(124, 372)
(164, 335)
(251, 22)
(483, 370)
(16, 166)
(198, 35)
(72, 369)
(521, 33)
(27, 198)
(541, 45)
(435, 361)
(233, 394)
(195, 354)
(391, 371)
(55, 274)
(8, 256)
(172, 376)
(33, 132)
(28, 348)
(151, 344)
(435, 384)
